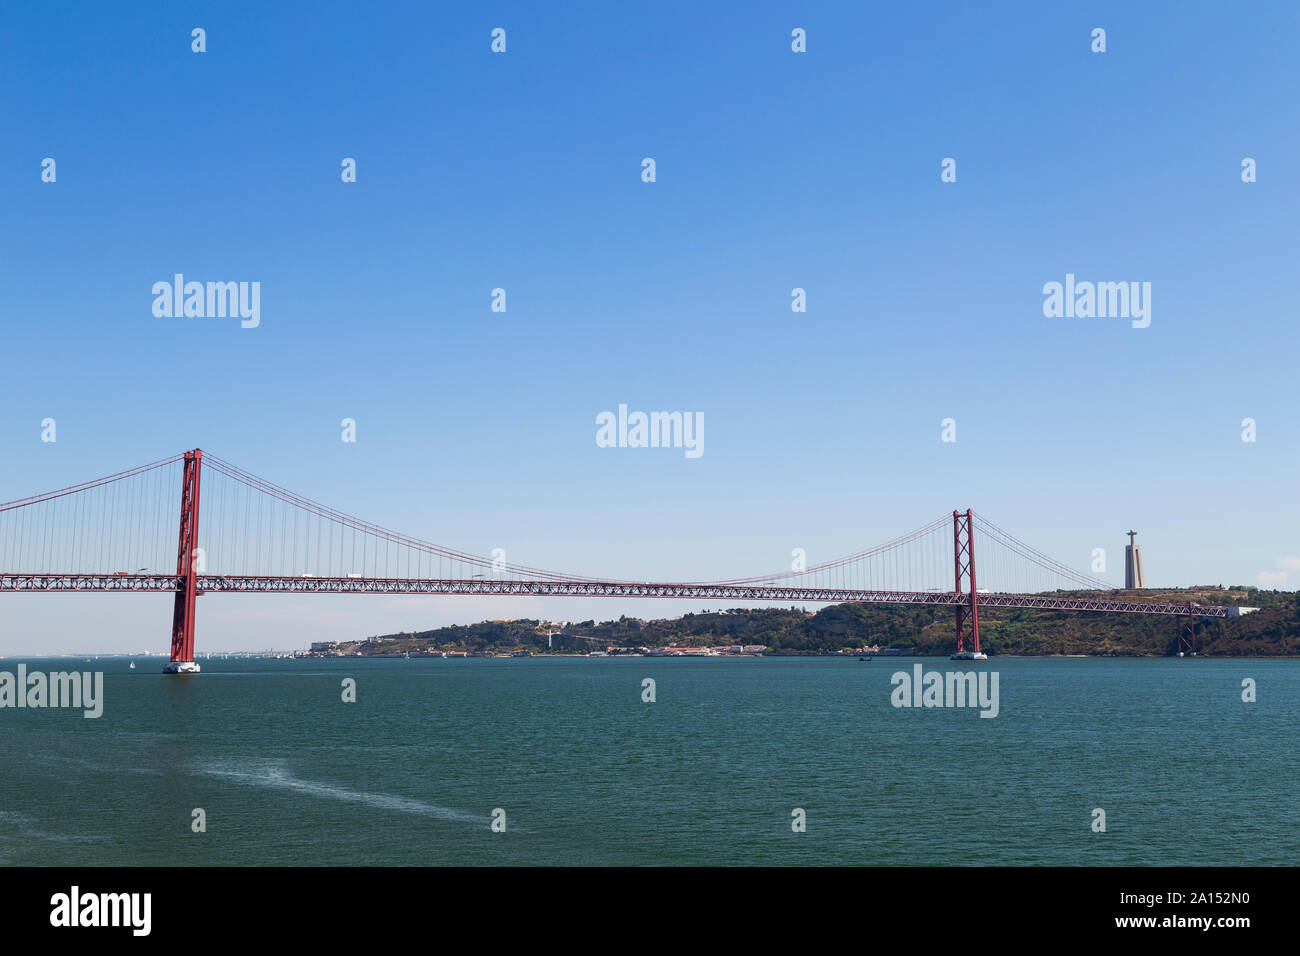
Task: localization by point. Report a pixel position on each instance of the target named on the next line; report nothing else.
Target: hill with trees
(1272, 631)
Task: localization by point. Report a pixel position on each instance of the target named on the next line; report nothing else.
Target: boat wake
(275, 774)
(19, 831)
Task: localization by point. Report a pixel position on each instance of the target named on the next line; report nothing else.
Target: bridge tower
(968, 615)
(1187, 633)
(182, 661)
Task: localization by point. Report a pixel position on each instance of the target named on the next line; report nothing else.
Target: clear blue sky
(775, 170)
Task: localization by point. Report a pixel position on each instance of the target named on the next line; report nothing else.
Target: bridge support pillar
(963, 546)
(182, 661)
(1187, 633)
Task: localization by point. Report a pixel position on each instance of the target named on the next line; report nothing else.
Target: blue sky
(775, 170)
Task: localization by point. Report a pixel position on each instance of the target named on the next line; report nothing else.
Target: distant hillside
(1272, 631)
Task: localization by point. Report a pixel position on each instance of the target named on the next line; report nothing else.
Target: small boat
(131, 666)
(969, 656)
(864, 658)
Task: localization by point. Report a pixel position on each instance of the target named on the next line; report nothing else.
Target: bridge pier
(1187, 633)
(968, 614)
(182, 661)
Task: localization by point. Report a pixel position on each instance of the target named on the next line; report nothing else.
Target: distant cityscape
(367, 649)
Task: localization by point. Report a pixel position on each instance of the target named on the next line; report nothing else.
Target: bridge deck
(272, 584)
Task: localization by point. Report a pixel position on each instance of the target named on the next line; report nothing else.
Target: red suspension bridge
(114, 534)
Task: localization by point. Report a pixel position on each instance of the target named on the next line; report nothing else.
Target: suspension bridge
(114, 534)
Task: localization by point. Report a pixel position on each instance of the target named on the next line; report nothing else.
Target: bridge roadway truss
(273, 584)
